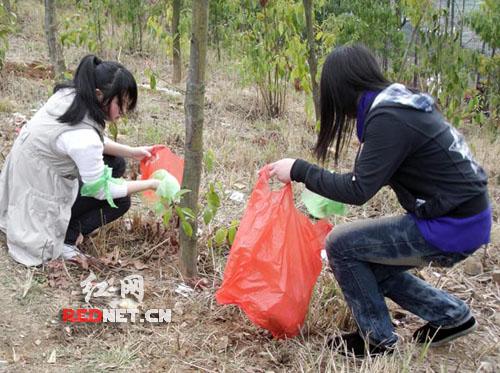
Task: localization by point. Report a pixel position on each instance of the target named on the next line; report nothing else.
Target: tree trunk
(176, 45)
(311, 58)
(55, 51)
(478, 74)
(193, 148)
(96, 8)
(216, 33)
(462, 22)
(452, 23)
(447, 20)
(407, 50)
(6, 4)
(139, 21)
(415, 63)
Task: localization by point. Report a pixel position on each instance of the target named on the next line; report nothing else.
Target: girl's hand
(281, 169)
(154, 184)
(141, 152)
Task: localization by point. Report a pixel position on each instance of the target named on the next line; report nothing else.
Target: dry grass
(204, 336)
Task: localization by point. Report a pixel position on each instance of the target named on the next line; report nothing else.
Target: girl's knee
(337, 241)
(123, 204)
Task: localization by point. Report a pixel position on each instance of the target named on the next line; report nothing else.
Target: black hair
(347, 72)
(110, 77)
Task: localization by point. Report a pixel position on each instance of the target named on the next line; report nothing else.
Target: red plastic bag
(275, 260)
(161, 158)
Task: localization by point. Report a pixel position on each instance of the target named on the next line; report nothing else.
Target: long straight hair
(347, 72)
(110, 77)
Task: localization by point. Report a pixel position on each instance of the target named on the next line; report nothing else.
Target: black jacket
(421, 156)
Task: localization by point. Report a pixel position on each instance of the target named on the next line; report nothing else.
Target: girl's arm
(113, 148)
(86, 149)
(134, 186)
(387, 144)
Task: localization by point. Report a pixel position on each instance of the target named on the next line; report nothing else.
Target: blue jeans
(370, 259)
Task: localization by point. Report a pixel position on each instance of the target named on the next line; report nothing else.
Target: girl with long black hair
(407, 144)
(61, 179)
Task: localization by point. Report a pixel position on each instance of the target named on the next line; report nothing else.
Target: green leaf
(152, 81)
(208, 215)
(188, 212)
(180, 213)
(220, 236)
(181, 192)
(113, 130)
(231, 234)
(167, 215)
(213, 198)
(208, 160)
(187, 228)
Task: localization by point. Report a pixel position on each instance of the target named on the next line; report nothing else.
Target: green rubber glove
(321, 207)
(169, 186)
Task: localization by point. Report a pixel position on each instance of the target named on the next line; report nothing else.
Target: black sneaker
(353, 344)
(438, 336)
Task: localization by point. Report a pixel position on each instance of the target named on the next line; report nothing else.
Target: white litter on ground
(184, 290)
(168, 91)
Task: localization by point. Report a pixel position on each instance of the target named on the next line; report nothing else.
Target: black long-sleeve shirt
(421, 156)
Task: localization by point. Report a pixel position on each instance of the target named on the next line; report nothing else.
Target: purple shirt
(457, 235)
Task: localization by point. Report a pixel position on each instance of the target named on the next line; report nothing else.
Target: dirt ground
(204, 336)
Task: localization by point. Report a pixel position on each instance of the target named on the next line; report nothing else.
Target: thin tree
(462, 22)
(452, 21)
(176, 45)
(447, 19)
(7, 6)
(55, 50)
(193, 147)
(311, 56)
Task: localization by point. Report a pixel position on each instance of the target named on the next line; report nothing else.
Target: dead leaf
(496, 276)
(81, 261)
(198, 283)
(239, 186)
(473, 266)
(139, 265)
(57, 277)
(112, 258)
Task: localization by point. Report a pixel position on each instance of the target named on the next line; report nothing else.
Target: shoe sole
(454, 336)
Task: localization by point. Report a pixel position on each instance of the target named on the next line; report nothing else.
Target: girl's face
(114, 109)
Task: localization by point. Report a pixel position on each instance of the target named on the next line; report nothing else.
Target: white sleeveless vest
(38, 185)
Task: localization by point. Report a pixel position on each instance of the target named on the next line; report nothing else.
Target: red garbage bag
(161, 158)
(275, 260)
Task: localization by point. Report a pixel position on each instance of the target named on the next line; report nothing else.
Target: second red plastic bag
(162, 158)
(274, 261)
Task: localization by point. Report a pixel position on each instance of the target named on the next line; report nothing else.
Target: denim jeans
(370, 259)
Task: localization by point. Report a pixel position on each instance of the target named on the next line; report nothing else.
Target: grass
(111, 358)
(6, 106)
